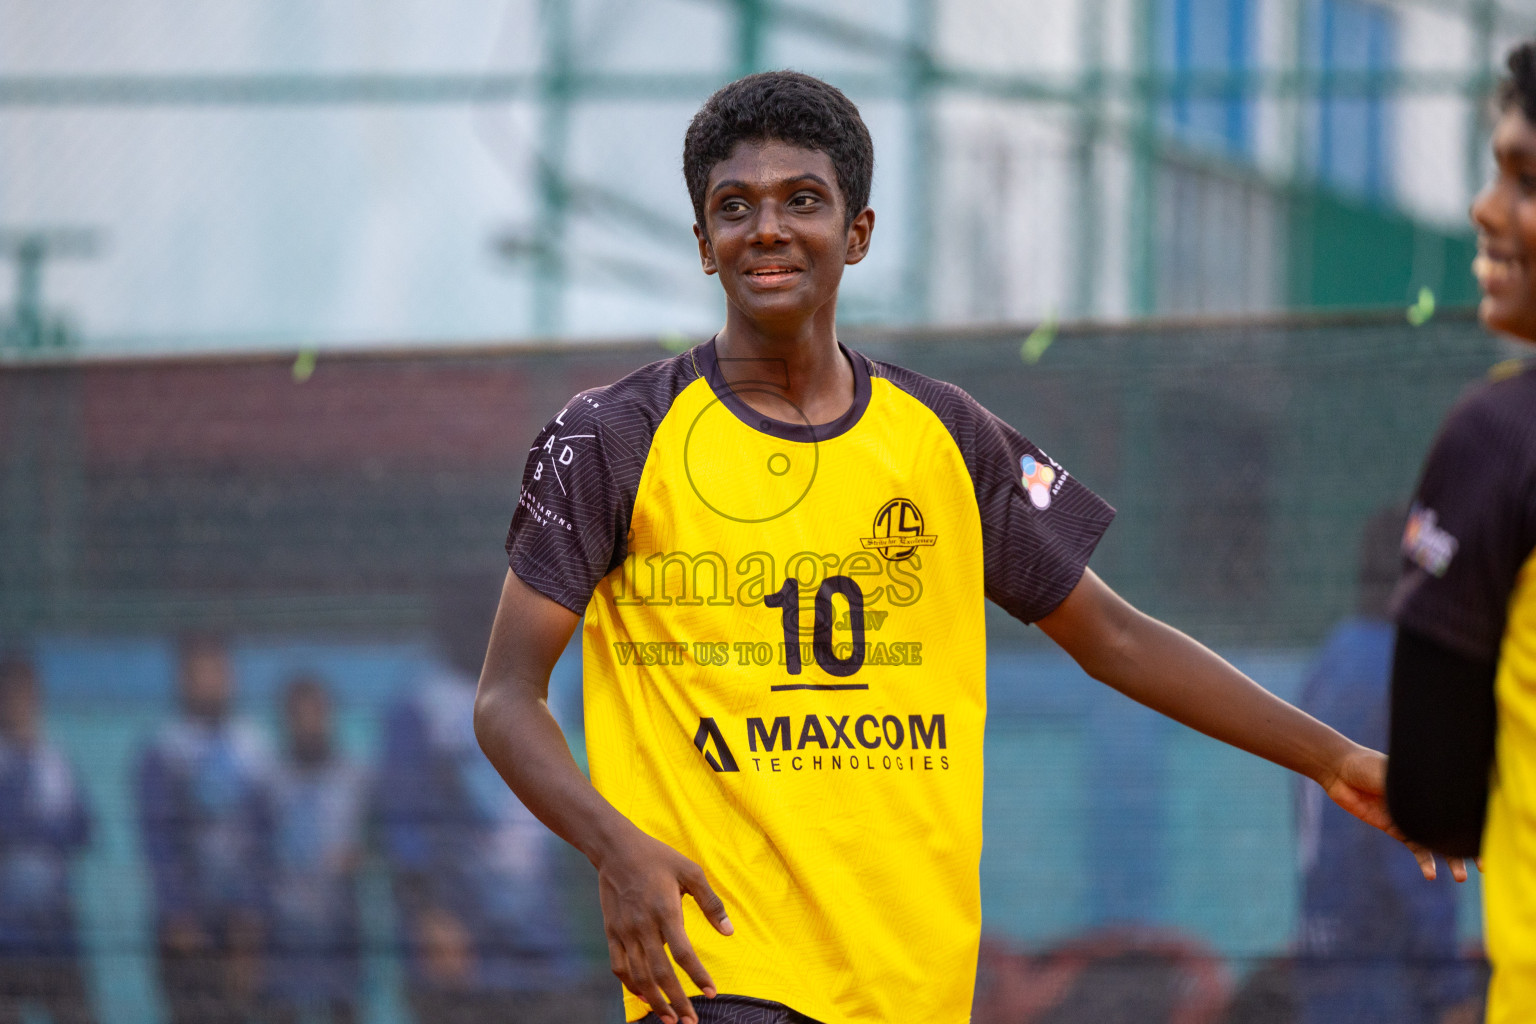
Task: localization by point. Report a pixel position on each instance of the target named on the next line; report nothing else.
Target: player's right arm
(1039, 527)
(640, 879)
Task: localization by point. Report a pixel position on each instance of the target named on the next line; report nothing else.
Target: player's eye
(732, 206)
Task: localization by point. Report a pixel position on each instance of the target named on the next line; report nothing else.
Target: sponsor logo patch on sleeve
(1040, 481)
(1426, 544)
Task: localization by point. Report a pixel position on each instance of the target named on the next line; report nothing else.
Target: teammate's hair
(782, 106)
(1518, 90)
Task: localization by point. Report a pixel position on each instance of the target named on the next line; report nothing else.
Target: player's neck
(819, 383)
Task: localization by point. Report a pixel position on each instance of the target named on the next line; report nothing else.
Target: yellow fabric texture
(846, 843)
(1509, 838)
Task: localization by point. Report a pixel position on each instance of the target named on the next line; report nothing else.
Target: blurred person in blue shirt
(319, 800)
(1378, 944)
(474, 872)
(44, 823)
(205, 823)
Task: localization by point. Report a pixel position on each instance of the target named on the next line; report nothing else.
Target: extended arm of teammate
(1156, 665)
(640, 879)
(1442, 744)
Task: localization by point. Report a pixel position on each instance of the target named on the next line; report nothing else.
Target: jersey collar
(771, 380)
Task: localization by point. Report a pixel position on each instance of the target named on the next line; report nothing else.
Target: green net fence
(305, 512)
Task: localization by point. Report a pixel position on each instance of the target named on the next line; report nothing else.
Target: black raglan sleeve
(1469, 530)
(569, 527)
(1039, 523)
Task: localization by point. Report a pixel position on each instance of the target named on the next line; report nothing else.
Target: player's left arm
(1171, 673)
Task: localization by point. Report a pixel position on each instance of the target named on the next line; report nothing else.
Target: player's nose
(770, 226)
(1488, 209)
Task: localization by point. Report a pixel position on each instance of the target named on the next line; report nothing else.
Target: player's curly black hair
(785, 106)
(1518, 91)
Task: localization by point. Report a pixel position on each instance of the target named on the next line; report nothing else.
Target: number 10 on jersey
(787, 600)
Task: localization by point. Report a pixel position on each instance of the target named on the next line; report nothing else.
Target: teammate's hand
(640, 884)
(1360, 787)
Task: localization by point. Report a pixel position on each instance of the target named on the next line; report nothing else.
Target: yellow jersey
(784, 656)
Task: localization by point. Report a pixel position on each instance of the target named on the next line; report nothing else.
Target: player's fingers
(632, 968)
(661, 969)
(640, 977)
(619, 963)
(636, 980)
(652, 994)
(696, 885)
(1458, 868)
(653, 973)
(688, 960)
(1426, 860)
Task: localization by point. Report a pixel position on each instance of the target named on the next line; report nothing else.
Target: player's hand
(640, 883)
(1360, 787)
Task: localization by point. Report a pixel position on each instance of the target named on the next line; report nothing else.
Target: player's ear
(859, 230)
(706, 251)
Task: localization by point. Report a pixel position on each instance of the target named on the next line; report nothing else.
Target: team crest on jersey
(1041, 481)
(1426, 544)
(898, 531)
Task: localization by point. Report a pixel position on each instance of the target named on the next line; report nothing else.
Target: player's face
(1505, 215)
(778, 234)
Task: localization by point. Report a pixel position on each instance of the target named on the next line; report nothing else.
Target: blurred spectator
(206, 829)
(318, 802)
(1378, 943)
(474, 871)
(1118, 975)
(43, 825)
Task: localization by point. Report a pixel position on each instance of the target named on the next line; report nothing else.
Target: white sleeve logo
(556, 451)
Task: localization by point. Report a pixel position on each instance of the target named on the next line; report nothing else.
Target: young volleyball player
(781, 549)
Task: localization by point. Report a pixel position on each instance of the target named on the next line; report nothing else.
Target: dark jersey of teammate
(1470, 586)
(785, 655)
